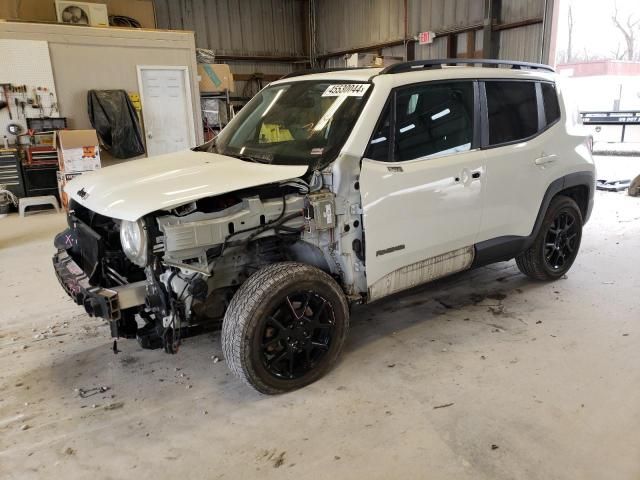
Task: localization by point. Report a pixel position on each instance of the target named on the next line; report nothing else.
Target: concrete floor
(535, 380)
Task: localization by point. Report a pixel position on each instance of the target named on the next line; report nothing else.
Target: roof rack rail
(426, 64)
(310, 71)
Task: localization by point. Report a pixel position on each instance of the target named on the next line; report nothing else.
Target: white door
(422, 207)
(166, 109)
(522, 152)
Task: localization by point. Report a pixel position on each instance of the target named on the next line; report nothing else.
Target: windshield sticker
(346, 89)
(317, 151)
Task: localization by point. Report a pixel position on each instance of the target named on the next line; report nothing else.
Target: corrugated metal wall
(240, 28)
(276, 28)
(426, 15)
(523, 43)
(379, 21)
(343, 24)
(237, 27)
(516, 10)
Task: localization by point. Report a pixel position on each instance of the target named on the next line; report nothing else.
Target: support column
(490, 39)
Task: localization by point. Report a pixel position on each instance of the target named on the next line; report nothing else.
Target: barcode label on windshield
(346, 89)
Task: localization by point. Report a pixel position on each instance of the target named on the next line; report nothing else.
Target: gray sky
(593, 28)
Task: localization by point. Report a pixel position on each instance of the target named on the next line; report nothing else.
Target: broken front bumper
(102, 302)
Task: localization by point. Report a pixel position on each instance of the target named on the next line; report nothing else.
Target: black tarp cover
(115, 120)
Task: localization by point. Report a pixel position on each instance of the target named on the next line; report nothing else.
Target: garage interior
(484, 374)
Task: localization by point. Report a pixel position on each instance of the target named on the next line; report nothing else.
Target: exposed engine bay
(174, 272)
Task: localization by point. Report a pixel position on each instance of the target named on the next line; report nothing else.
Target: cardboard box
(215, 77)
(63, 179)
(78, 150)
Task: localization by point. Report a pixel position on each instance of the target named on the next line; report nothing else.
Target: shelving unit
(229, 101)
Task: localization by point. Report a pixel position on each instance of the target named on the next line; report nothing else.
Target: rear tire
(557, 243)
(285, 327)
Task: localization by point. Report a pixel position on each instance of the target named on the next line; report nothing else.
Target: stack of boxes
(215, 78)
(78, 153)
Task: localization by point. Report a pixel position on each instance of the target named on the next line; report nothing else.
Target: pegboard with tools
(27, 88)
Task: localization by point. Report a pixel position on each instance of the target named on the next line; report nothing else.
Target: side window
(512, 110)
(379, 145)
(550, 101)
(433, 119)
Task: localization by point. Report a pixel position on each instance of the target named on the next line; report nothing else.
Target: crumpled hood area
(133, 189)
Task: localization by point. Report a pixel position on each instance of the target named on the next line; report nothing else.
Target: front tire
(285, 327)
(557, 243)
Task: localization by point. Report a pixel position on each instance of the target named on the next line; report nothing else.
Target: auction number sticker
(346, 89)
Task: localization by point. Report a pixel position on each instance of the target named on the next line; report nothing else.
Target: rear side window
(550, 101)
(433, 120)
(512, 111)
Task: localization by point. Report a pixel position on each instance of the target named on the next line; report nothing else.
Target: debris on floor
(89, 392)
(114, 406)
(613, 185)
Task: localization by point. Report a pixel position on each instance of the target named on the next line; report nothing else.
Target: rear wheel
(556, 246)
(285, 327)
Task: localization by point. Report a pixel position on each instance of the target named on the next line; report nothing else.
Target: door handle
(466, 176)
(544, 159)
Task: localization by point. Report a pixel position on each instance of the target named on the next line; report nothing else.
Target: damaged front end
(95, 272)
(174, 272)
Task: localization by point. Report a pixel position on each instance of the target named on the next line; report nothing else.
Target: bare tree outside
(619, 52)
(570, 25)
(629, 27)
(593, 30)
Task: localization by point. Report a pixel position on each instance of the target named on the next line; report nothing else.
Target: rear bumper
(107, 303)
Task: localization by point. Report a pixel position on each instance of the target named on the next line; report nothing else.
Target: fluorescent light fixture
(407, 128)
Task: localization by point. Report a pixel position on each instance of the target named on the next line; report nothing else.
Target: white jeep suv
(328, 189)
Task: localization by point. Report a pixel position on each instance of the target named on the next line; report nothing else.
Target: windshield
(299, 123)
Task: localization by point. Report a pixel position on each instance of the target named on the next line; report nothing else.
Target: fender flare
(505, 248)
(585, 179)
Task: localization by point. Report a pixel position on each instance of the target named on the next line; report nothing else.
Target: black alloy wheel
(285, 327)
(557, 242)
(297, 335)
(561, 241)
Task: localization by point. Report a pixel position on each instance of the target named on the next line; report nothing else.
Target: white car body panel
(421, 211)
(130, 190)
(519, 174)
(515, 187)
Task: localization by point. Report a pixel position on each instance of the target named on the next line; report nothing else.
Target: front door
(421, 184)
(166, 109)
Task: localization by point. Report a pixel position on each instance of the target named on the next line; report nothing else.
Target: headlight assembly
(133, 237)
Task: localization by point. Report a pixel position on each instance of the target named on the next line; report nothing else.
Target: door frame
(187, 85)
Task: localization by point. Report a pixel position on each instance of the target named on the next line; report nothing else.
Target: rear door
(421, 183)
(521, 158)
